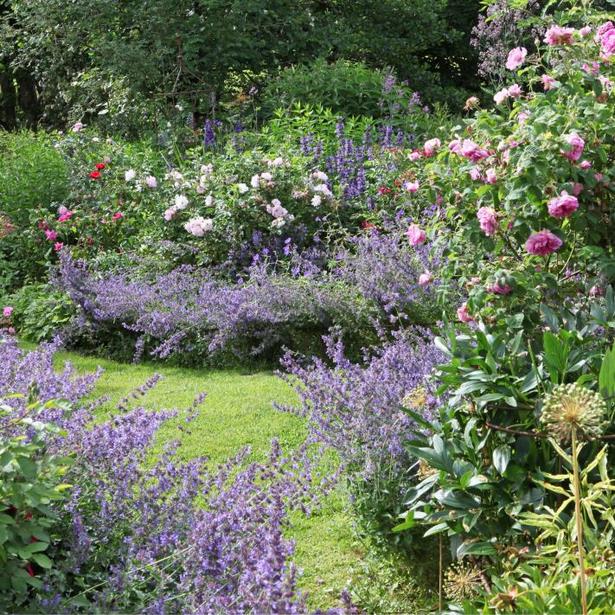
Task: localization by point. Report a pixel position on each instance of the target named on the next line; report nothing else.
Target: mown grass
(239, 412)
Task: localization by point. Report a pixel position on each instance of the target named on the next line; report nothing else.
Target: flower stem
(579, 521)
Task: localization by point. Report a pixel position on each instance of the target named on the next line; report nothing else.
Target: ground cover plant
(433, 287)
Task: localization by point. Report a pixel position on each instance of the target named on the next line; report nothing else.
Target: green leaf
(476, 548)
(42, 560)
(501, 457)
(606, 378)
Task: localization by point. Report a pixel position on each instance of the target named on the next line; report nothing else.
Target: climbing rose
(585, 164)
(576, 144)
(488, 220)
(463, 314)
(542, 243)
(556, 35)
(416, 235)
(516, 57)
(563, 205)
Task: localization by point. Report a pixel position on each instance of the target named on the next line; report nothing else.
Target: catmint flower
(516, 57)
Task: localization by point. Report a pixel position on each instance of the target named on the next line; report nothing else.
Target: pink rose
(606, 36)
(491, 176)
(556, 35)
(411, 186)
(414, 156)
(563, 206)
(431, 146)
(501, 96)
(585, 31)
(577, 188)
(523, 117)
(576, 145)
(515, 91)
(65, 215)
(7, 311)
(500, 289)
(542, 243)
(488, 220)
(548, 83)
(425, 279)
(118, 215)
(58, 245)
(416, 235)
(455, 146)
(585, 164)
(475, 173)
(463, 314)
(77, 127)
(516, 57)
(472, 151)
(51, 235)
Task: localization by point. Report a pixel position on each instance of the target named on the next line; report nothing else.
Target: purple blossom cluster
(163, 536)
(356, 408)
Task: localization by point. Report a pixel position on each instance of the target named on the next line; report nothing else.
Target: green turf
(238, 412)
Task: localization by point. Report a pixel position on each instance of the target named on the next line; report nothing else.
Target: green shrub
(32, 175)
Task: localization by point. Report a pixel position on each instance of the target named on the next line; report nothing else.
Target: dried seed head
(573, 407)
(462, 581)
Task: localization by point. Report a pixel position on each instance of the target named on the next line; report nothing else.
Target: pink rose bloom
(523, 117)
(516, 57)
(491, 176)
(598, 177)
(475, 173)
(548, 83)
(51, 235)
(416, 235)
(607, 84)
(488, 220)
(7, 311)
(472, 151)
(151, 181)
(118, 215)
(591, 69)
(463, 314)
(501, 96)
(411, 186)
(585, 164)
(557, 35)
(77, 127)
(455, 146)
(65, 215)
(431, 146)
(425, 279)
(515, 91)
(414, 156)
(577, 188)
(58, 245)
(563, 205)
(542, 243)
(604, 28)
(596, 291)
(606, 36)
(585, 31)
(499, 289)
(576, 145)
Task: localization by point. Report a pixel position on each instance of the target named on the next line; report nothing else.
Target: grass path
(237, 412)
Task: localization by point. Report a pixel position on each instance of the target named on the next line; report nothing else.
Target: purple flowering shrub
(161, 535)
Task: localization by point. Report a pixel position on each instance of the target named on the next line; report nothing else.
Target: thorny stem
(579, 521)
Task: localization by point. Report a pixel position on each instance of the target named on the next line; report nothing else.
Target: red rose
(384, 190)
(95, 175)
(100, 166)
(29, 569)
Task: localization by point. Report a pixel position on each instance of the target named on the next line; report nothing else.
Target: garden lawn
(238, 412)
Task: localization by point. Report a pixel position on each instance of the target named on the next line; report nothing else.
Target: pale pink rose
(7, 311)
(77, 127)
(431, 146)
(475, 173)
(488, 220)
(575, 145)
(598, 177)
(596, 291)
(472, 151)
(414, 156)
(585, 31)
(563, 205)
(523, 117)
(515, 91)
(463, 315)
(516, 57)
(606, 37)
(577, 188)
(543, 243)
(411, 186)
(151, 181)
(425, 279)
(455, 146)
(585, 164)
(491, 176)
(416, 235)
(557, 35)
(501, 96)
(548, 83)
